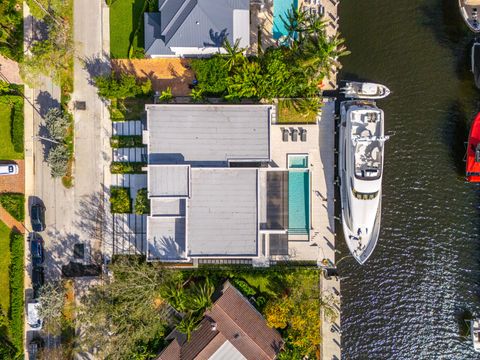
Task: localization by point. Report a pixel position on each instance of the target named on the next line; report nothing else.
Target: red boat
(473, 151)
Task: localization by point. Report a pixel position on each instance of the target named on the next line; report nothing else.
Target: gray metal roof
(222, 212)
(168, 180)
(191, 23)
(207, 135)
(165, 238)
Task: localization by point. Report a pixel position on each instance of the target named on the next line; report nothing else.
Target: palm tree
(295, 22)
(234, 55)
(202, 298)
(321, 54)
(175, 295)
(315, 26)
(308, 107)
(187, 325)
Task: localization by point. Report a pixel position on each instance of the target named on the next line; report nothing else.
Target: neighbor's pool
(280, 10)
(298, 202)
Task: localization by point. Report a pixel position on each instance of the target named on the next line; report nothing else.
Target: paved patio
(167, 72)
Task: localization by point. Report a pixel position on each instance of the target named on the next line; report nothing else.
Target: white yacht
(364, 90)
(475, 333)
(469, 10)
(360, 167)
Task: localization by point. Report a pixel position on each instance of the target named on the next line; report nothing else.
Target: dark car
(37, 217)
(38, 278)
(36, 249)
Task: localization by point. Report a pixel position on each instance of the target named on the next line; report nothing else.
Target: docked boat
(473, 152)
(475, 333)
(475, 60)
(469, 11)
(364, 90)
(361, 147)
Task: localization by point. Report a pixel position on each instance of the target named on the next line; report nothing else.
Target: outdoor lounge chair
(294, 134)
(303, 134)
(284, 134)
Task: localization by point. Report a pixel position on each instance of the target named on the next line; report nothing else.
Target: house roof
(232, 329)
(194, 23)
(208, 135)
(222, 212)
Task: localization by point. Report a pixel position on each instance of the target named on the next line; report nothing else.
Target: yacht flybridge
(361, 166)
(469, 10)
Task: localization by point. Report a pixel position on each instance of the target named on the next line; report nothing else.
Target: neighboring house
(220, 191)
(196, 27)
(232, 329)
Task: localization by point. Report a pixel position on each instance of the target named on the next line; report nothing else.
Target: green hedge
(120, 201)
(16, 290)
(14, 204)
(126, 141)
(142, 202)
(117, 167)
(16, 128)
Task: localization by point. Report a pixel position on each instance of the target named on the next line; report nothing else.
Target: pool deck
(320, 149)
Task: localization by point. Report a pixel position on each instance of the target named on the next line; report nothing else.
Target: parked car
(33, 318)
(8, 169)
(37, 217)
(36, 249)
(38, 278)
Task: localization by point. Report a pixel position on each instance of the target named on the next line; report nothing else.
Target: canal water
(408, 301)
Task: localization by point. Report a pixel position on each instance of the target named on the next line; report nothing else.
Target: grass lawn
(126, 16)
(4, 267)
(7, 152)
(288, 114)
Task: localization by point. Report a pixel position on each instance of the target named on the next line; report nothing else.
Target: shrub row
(142, 202)
(117, 167)
(16, 290)
(120, 201)
(14, 204)
(126, 141)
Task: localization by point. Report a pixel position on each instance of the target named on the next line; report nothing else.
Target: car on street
(37, 215)
(38, 278)
(8, 169)
(36, 249)
(33, 317)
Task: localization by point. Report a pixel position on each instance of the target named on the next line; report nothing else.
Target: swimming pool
(280, 10)
(298, 202)
(297, 161)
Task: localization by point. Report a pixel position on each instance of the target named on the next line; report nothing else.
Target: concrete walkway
(10, 70)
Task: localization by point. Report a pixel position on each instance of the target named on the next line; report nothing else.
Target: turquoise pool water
(280, 9)
(298, 161)
(298, 202)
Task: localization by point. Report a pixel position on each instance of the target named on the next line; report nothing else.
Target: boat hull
(468, 15)
(473, 167)
(352, 90)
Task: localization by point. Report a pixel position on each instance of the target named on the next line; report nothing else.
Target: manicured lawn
(14, 204)
(4, 267)
(126, 16)
(288, 114)
(7, 151)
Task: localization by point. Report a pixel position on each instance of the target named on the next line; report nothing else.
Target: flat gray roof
(168, 180)
(165, 238)
(207, 135)
(222, 212)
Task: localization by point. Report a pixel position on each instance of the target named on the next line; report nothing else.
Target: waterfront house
(227, 186)
(196, 27)
(232, 329)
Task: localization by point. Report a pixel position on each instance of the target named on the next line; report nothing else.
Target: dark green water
(408, 300)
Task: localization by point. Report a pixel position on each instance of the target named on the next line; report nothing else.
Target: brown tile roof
(231, 318)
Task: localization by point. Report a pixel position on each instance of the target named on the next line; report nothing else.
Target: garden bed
(120, 200)
(117, 167)
(126, 141)
(290, 111)
(128, 109)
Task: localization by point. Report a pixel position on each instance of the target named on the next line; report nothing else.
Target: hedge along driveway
(4, 267)
(125, 17)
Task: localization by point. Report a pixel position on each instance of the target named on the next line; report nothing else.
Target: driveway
(14, 183)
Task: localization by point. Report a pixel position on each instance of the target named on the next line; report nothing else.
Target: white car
(9, 169)
(33, 318)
